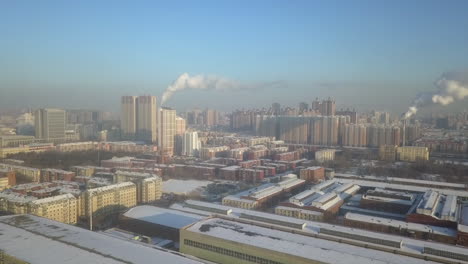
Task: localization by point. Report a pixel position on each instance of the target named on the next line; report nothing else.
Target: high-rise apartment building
(166, 130)
(180, 125)
(138, 118)
(190, 144)
(210, 117)
(50, 124)
(128, 117)
(146, 118)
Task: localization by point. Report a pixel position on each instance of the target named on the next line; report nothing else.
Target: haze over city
(363, 53)
(234, 132)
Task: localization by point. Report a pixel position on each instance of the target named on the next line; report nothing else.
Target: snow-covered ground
(183, 187)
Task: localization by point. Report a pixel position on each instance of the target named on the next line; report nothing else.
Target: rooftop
(293, 244)
(43, 241)
(401, 224)
(162, 216)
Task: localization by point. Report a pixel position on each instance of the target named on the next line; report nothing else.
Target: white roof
(43, 241)
(162, 216)
(404, 187)
(53, 199)
(293, 244)
(409, 244)
(401, 224)
(111, 187)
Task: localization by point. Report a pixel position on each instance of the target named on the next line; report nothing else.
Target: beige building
(128, 117)
(16, 141)
(146, 118)
(50, 124)
(149, 186)
(24, 173)
(412, 154)
(108, 200)
(180, 126)
(62, 208)
(150, 190)
(166, 130)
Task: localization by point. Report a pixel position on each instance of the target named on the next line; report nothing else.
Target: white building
(190, 144)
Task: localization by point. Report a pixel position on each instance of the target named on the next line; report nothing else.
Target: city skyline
(365, 54)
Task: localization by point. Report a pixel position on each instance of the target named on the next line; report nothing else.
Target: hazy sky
(368, 54)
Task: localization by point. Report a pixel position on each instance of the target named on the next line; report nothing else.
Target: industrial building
(388, 201)
(326, 197)
(436, 209)
(158, 222)
(265, 194)
(32, 239)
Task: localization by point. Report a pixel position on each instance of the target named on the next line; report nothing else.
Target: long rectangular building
(32, 239)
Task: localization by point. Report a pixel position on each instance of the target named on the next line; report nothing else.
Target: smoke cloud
(210, 82)
(451, 86)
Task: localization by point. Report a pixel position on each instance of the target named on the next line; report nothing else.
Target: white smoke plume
(210, 82)
(451, 87)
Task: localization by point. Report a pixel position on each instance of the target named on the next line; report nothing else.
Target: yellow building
(83, 170)
(387, 152)
(3, 183)
(25, 173)
(4, 152)
(108, 200)
(412, 154)
(15, 203)
(149, 186)
(61, 208)
(151, 189)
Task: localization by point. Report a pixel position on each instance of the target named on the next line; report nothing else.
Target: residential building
(50, 124)
(166, 130)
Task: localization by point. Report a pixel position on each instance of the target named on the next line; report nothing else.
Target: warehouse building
(387, 201)
(264, 195)
(436, 209)
(158, 222)
(386, 225)
(32, 239)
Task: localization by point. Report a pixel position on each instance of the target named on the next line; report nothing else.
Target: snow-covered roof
(110, 187)
(43, 241)
(404, 180)
(297, 245)
(162, 216)
(401, 224)
(403, 187)
(53, 199)
(409, 244)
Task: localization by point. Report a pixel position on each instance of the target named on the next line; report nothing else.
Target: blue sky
(368, 54)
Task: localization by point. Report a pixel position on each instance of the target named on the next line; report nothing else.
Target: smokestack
(452, 86)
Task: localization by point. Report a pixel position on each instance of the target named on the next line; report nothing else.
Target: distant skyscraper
(180, 125)
(303, 107)
(50, 124)
(166, 130)
(146, 118)
(190, 144)
(210, 117)
(128, 117)
(276, 108)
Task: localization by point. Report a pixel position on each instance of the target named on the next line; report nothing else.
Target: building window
(228, 252)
